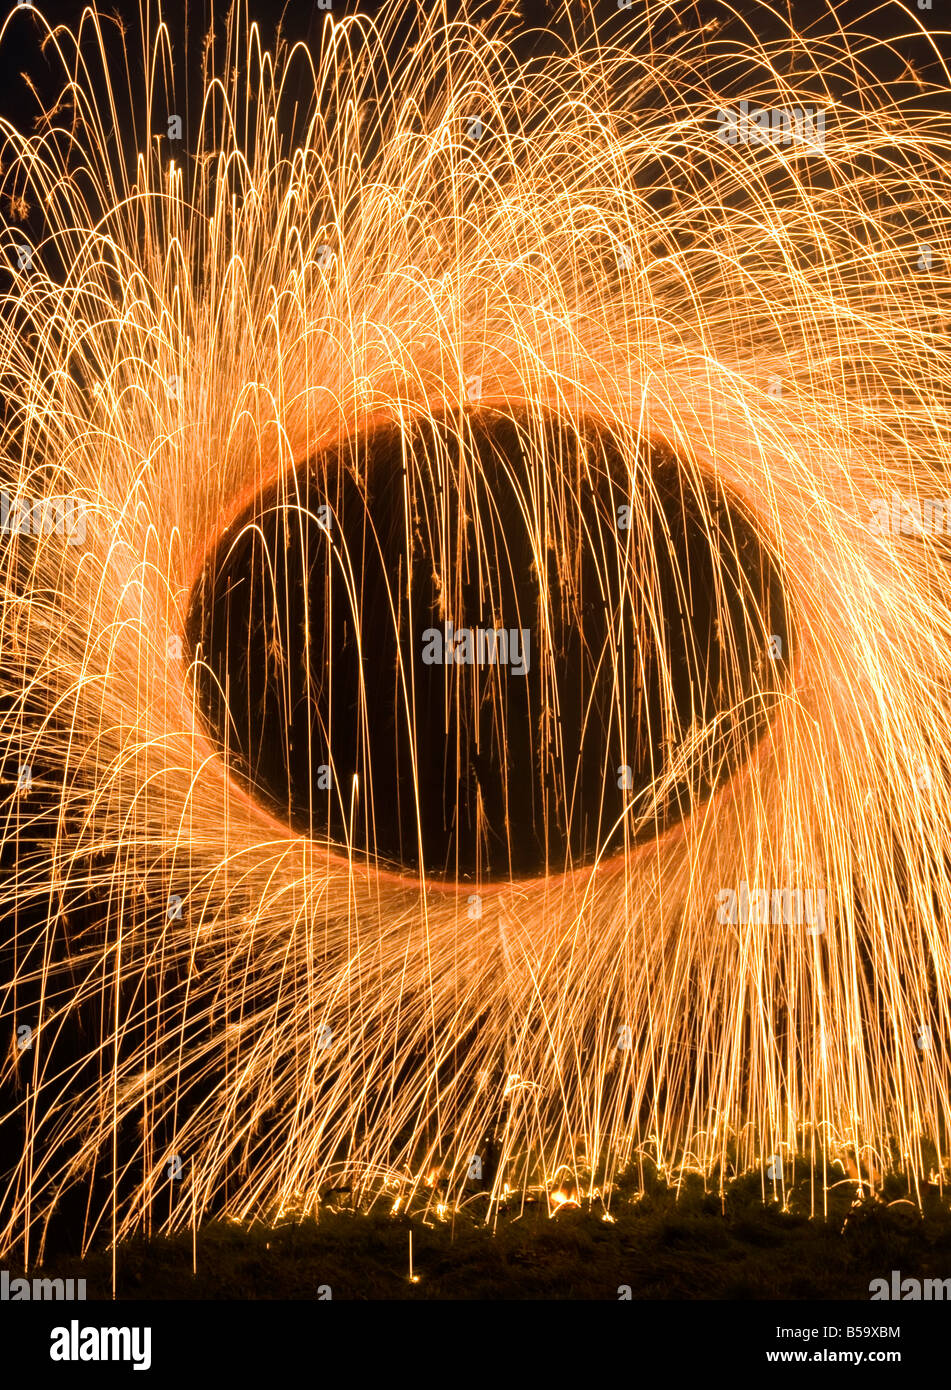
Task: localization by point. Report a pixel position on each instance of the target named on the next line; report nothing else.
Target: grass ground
(663, 1244)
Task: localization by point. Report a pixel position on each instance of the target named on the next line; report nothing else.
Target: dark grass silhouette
(660, 1244)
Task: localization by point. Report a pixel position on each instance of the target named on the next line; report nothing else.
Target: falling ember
(476, 638)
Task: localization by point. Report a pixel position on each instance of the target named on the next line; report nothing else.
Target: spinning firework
(475, 622)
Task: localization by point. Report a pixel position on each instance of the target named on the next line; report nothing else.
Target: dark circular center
(487, 646)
